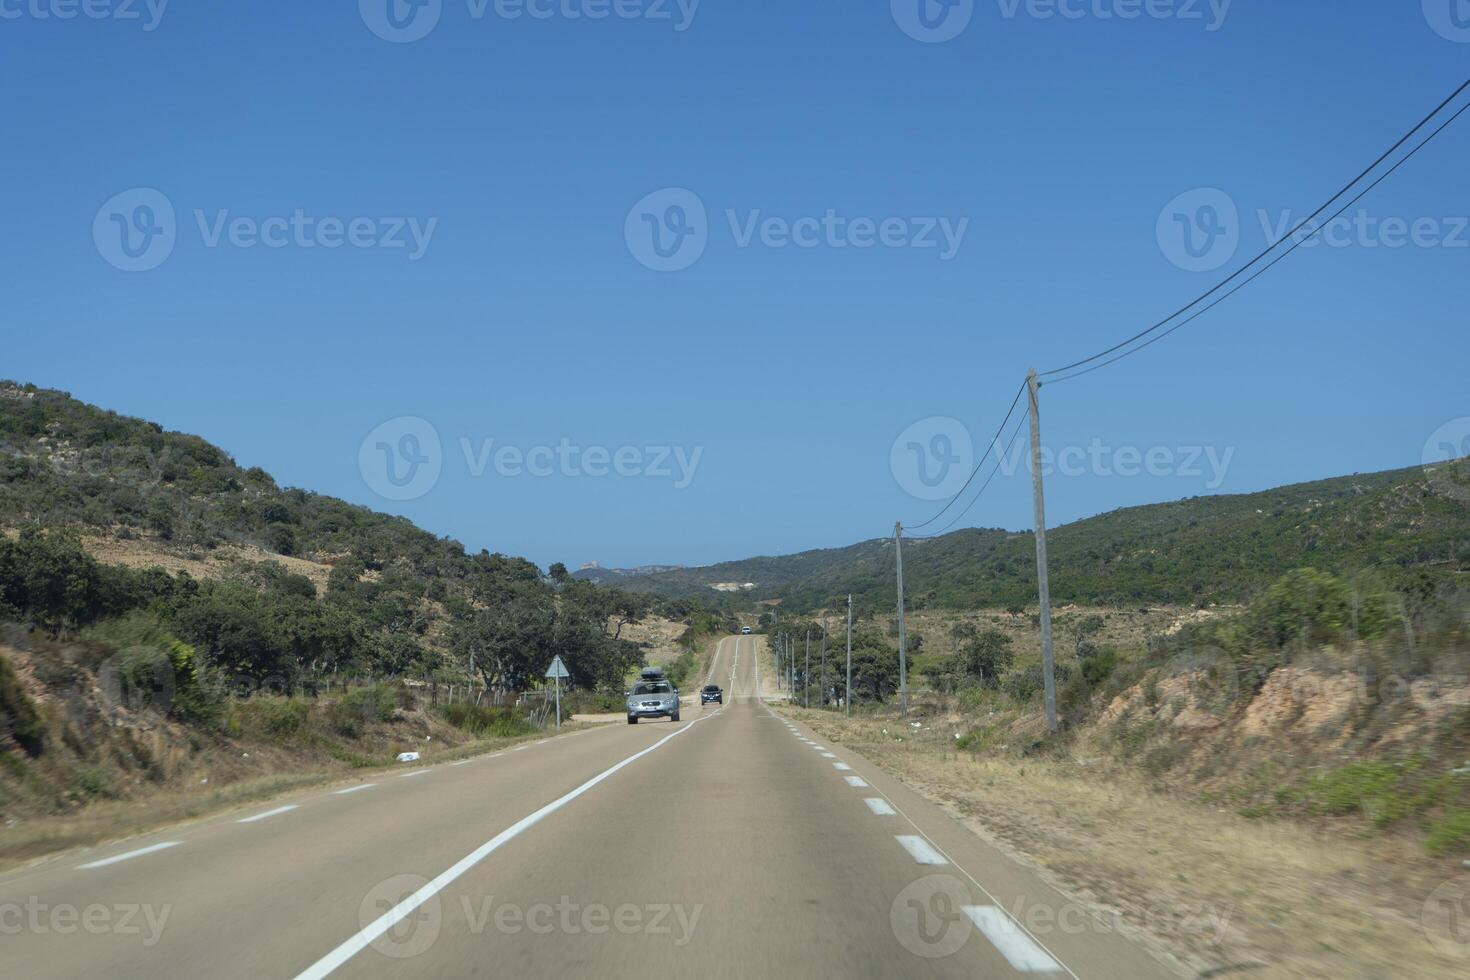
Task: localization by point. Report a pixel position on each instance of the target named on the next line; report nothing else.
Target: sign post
(557, 671)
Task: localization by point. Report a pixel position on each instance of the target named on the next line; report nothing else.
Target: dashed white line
(269, 813)
(354, 789)
(920, 850)
(361, 940)
(857, 781)
(841, 767)
(1019, 949)
(829, 755)
(880, 806)
(130, 855)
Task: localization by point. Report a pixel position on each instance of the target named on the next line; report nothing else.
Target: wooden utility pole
(1043, 587)
(847, 692)
(903, 659)
(806, 674)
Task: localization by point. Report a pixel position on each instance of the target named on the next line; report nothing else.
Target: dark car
(713, 693)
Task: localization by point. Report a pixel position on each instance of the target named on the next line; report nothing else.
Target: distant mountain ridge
(1399, 524)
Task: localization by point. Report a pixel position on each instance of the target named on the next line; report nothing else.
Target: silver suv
(653, 697)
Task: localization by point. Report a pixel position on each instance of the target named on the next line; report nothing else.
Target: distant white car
(745, 630)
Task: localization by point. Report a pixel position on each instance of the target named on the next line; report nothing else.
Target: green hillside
(1400, 524)
(388, 598)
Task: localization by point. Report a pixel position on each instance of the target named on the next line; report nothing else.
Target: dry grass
(1298, 901)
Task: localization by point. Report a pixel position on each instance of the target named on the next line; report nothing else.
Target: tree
(558, 573)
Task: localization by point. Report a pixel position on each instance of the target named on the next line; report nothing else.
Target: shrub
(18, 717)
(483, 721)
(356, 709)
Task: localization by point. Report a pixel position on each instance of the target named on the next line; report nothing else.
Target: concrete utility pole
(847, 692)
(1043, 587)
(806, 676)
(903, 658)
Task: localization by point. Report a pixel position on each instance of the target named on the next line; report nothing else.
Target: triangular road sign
(557, 668)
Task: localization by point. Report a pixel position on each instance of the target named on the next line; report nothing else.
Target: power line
(978, 463)
(1272, 247)
(981, 492)
(1265, 268)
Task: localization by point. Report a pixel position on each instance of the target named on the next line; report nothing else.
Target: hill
(267, 584)
(1405, 525)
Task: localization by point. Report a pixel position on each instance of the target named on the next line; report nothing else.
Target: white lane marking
(461, 762)
(354, 789)
(841, 767)
(416, 772)
(519, 748)
(857, 781)
(880, 806)
(130, 855)
(829, 755)
(920, 850)
(270, 813)
(1016, 923)
(1019, 949)
(357, 943)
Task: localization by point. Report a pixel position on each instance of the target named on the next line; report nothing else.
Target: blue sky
(519, 147)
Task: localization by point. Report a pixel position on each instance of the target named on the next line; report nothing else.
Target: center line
(354, 789)
(357, 943)
(269, 813)
(129, 855)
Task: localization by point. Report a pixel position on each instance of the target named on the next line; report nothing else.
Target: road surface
(731, 843)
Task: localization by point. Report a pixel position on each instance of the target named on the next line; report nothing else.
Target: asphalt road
(728, 844)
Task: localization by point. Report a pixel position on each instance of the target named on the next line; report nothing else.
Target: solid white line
(269, 813)
(857, 781)
(354, 789)
(129, 855)
(416, 772)
(324, 966)
(519, 748)
(1005, 935)
(920, 850)
(462, 762)
(841, 767)
(880, 806)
